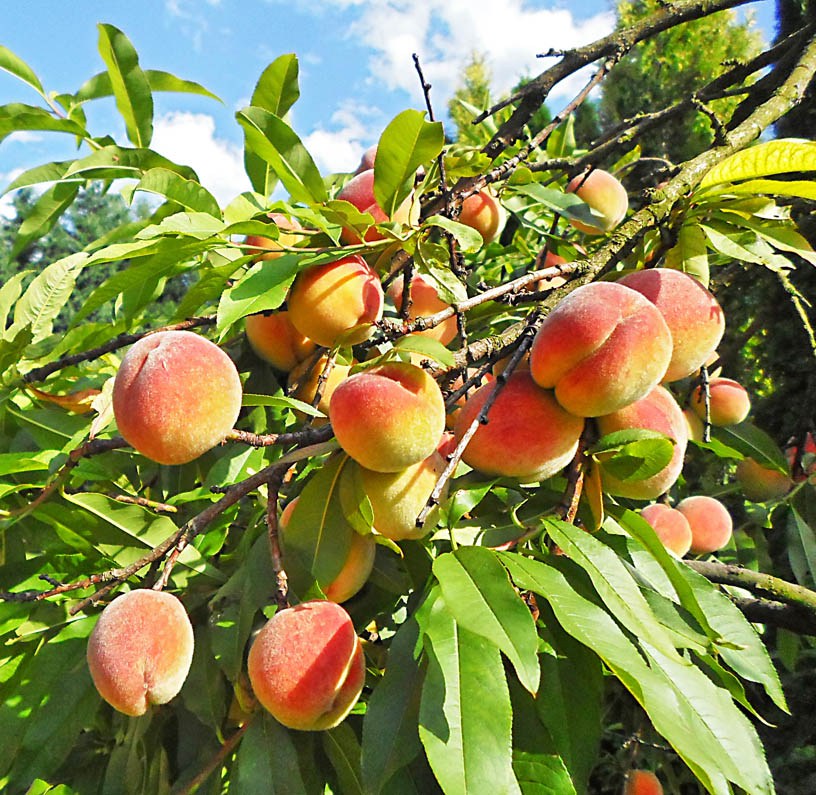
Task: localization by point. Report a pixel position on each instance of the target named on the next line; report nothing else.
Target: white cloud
(193, 23)
(6, 201)
(340, 148)
(24, 137)
(190, 139)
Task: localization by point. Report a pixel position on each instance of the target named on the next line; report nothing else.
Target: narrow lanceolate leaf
(405, 144)
(753, 442)
(343, 750)
(465, 716)
(542, 774)
(113, 162)
(690, 253)
(45, 214)
(100, 85)
(784, 156)
(277, 144)
(16, 66)
(175, 188)
(18, 117)
(775, 187)
(49, 172)
(129, 83)
(801, 545)
(468, 238)
(482, 599)
(9, 293)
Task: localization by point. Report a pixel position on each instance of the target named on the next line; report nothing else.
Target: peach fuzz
(670, 526)
(694, 317)
(357, 568)
(140, 650)
(359, 191)
(306, 666)
(303, 383)
(389, 416)
(659, 412)
(397, 498)
(425, 301)
(729, 403)
(603, 347)
(710, 523)
(605, 195)
(760, 483)
(176, 395)
(284, 239)
(483, 212)
(642, 782)
(275, 340)
(327, 302)
(527, 436)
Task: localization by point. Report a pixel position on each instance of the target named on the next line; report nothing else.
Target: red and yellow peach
(729, 402)
(605, 196)
(710, 523)
(425, 301)
(670, 526)
(359, 191)
(275, 340)
(483, 212)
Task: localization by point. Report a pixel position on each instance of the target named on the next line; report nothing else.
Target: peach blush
(729, 403)
(425, 301)
(710, 523)
(670, 526)
(306, 666)
(605, 195)
(285, 238)
(760, 483)
(140, 650)
(603, 347)
(642, 782)
(483, 212)
(527, 436)
(274, 339)
(175, 396)
(359, 191)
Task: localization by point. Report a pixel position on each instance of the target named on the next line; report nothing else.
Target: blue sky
(356, 71)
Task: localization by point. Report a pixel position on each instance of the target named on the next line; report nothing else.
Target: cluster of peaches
(602, 355)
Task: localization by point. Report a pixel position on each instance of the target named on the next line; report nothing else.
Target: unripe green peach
(275, 340)
(694, 317)
(336, 302)
(425, 301)
(140, 650)
(603, 347)
(357, 568)
(303, 383)
(483, 212)
(760, 483)
(527, 436)
(176, 395)
(710, 523)
(659, 412)
(605, 195)
(670, 526)
(306, 666)
(642, 782)
(285, 239)
(729, 403)
(359, 191)
(389, 416)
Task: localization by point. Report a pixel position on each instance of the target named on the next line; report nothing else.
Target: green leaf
(277, 144)
(48, 172)
(188, 193)
(732, 243)
(775, 187)
(46, 212)
(343, 750)
(425, 346)
(115, 162)
(100, 85)
(482, 600)
(801, 546)
(467, 237)
(561, 142)
(280, 401)
(638, 460)
(17, 117)
(405, 144)
(277, 88)
(542, 774)
(129, 83)
(16, 66)
(690, 253)
(354, 501)
(783, 156)
(9, 293)
(204, 691)
(754, 443)
(465, 717)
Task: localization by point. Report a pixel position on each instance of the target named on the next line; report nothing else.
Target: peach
(425, 301)
(398, 497)
(357, 568)
(483, 212)
(306, 666)
(367, 160)
(659, 412)
(694, 317)
(527, 436)
(603, 347)
(760, 483)
(729, 403)
(337, 302)
(389, 416)
(605, 196)
(176, 395)
(642, 782)
(359, 191)
(140, 650)
(285, 239)
(275, 340)
(303, 382)
(670, 526)
(710, 523)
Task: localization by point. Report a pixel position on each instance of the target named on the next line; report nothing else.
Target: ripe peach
(605, 195)
(483, 212)
(527, 436)
(367, 160)
(284, 239)
(425, 301)
(670, 526)
(359, 191)
(303, 381)
(398, 497)
(389, 416)
(642, 782)
(659, 412)
(603, 347)
(357, 568)
(326, 302)
(729, 403)
(694, 317)
(760, 483)
(710, 523)
(275, 340)
(140, 650)
(306, 666)
(176, 395)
